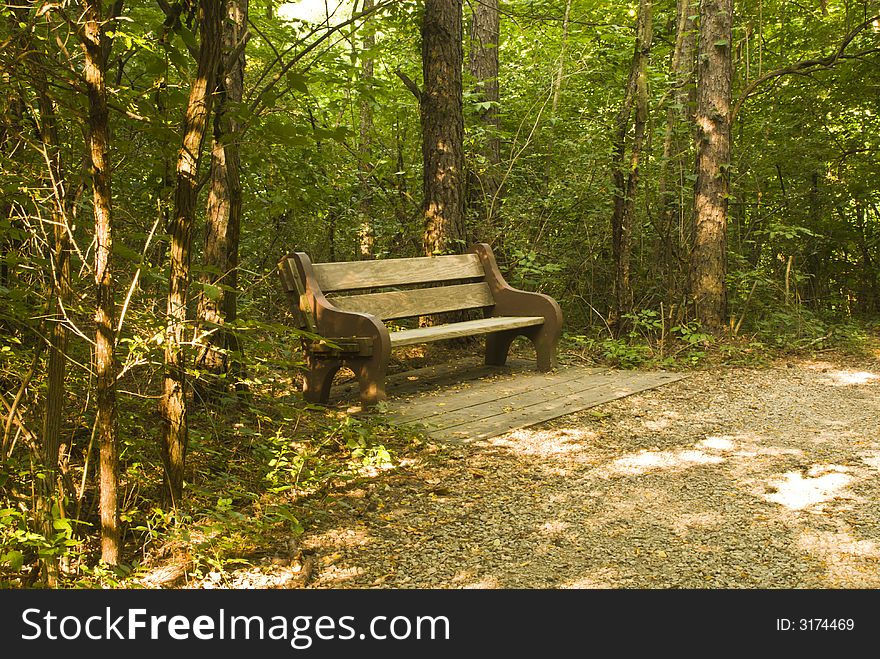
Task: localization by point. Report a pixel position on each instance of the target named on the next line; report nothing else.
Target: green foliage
(803, 243)
(530, 273)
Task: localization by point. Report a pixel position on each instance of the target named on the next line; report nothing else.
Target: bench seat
(408, 337)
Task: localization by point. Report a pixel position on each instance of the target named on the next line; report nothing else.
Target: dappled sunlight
(602, 579)
(797, 491)
(717, 444)
(645, 461)
(683, 524)
(852, 377)
(553, 528)
(842, 376)
(657, 425)
(480, 584)
(851, 563)
(872, 461)
(828, 543)
(547, 443)
(342, 537)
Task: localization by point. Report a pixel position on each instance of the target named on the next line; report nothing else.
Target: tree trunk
(173, 404)
(557, 94)
(626, 183)
(674, 232)
(105, 364)
(708, 288)
(50, 492)
(442, 128)
(366, 233)
(218, 301)
(484, 177)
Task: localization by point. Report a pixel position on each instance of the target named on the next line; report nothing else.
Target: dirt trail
(731, 478)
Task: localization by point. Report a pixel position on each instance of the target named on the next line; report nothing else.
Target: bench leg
(371, 378)
(497, 347)
(545, 339)
(318, 378)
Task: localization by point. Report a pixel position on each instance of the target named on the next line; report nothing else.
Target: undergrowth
(261, 463)
(650, 341)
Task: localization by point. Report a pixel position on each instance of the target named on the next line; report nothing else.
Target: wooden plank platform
(467, 402)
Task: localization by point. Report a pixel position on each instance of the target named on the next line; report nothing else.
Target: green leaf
(15, 559)
(125, 252)
(212, 292)
(297, 81)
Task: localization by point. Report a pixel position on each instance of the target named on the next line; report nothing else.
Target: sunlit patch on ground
(725, 443)
(844, 378)
(872, 461)
(341, 538)
(603, 578)
(480, 584)
(850, 562)
(547, 443)
(797, 491)
(645, 461)
(684, 523)
(553, 528)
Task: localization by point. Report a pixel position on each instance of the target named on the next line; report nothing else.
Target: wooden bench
(344, 306)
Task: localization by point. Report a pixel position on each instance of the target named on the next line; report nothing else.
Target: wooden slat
(519, 403)
(418, 301)
(552, 407)
(423, 408)
(466, 328)
(358, 275)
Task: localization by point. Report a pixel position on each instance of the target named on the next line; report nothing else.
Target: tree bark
(484, 179)
(708, 288)
(173, 406)
(105, 364)
(218, 301)
(366, 232)
(442, 128)
(50, 490)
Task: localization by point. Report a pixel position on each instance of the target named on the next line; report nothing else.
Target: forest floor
(735, 477)
(731, 478)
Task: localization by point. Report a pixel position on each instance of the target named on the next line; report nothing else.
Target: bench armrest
(319, 314)
(511, 301)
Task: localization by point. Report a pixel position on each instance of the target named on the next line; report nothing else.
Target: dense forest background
(690, 180)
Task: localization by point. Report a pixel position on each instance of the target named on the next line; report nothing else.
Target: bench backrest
(408, 287)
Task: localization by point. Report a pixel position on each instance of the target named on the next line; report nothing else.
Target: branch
(802, 67)
(305, 51)
(172, 21)
(410, 85)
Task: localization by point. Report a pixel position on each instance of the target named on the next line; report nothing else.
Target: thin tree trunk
(50, 492)
(105, 364)
(869, 295)
(173, 404)
(626, 182)
(708, 288)
(366, 233)
(52, 483)
(218, 302)
(557, 94)
(484, 181)
(674, 231)
(442, 128)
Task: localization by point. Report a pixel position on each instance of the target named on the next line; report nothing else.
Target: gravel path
(732, 478)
